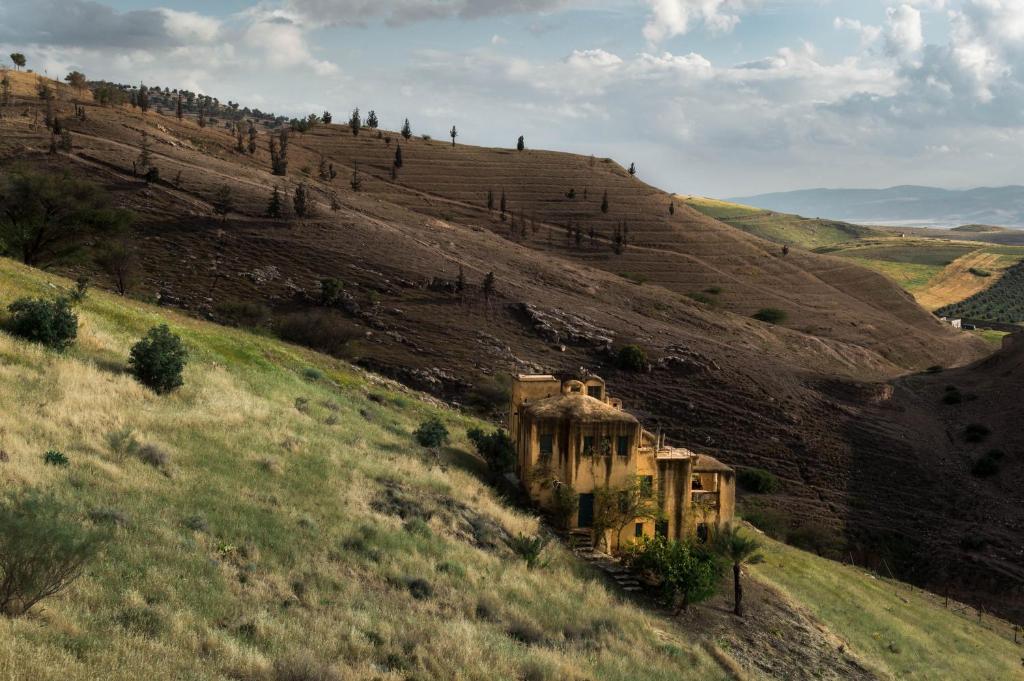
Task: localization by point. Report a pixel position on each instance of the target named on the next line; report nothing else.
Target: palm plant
(739, 549)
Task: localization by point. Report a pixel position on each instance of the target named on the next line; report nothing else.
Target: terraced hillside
(753, 394)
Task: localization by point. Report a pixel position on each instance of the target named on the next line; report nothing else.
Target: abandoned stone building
(571, 432)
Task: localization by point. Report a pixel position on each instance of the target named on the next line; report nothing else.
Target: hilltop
(292, 529)
(684, 286)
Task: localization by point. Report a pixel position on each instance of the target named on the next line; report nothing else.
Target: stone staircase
(583, 546)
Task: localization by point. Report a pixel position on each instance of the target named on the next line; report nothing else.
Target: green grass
(271, 544)
(898, 632)
(782, 228)
(910, 276)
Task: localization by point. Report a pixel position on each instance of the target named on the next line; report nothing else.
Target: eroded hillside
(753, 394)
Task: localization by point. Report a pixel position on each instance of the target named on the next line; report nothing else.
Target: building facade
(572, 433)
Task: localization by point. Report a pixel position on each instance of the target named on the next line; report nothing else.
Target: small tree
(354, 122)
(158, 360)
(738, 549)
(431, 433)
(178, 110)
(279, 153)
(326, 118)
(120, 261)
(356, 182)
(275, 206)
(631, 358)
(50, 322)
(145, 160)
(688, 573)
(76, 79)
(143, 98)
(503, 205)
(604, 202)
(223, 201)
(454, 133)
(5, 91)
(490, 200)
(300, 201)
(18, 59)
(41, 551)
(406, 130)
(672, 208)
(488, 287)
(252, 138)
(494, 448)
(371, 120)
(530, 549)
(398, 156)
(632, 169)
(521, 144)
(616, 508)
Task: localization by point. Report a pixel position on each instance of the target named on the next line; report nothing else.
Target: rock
(563, 328)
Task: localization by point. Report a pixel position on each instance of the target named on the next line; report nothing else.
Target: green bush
(530, 549)
(431, 433)
(55, 458)
(495, 448)
(770, 315)
(757, 480)
(978, 272)
(41, 551)
(631, 358)
(158, 360)
(50, 322)
(688, 572)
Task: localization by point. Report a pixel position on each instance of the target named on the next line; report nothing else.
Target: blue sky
(716, 97)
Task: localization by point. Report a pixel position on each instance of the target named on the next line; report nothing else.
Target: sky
(714, 97)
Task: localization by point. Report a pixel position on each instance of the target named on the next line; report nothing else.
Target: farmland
(1002, 302)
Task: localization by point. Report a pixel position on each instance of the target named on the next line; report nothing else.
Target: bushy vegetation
(631, 358)
(42, 551)
(158, 360)
(770, 315)
(757, 480)
(432, 433)
(687, 572)
(1002, 302)
(495, 448)
(50, 322)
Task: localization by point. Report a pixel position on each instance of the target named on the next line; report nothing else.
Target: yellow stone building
(573, 433)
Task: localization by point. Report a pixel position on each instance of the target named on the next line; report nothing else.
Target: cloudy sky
(718, 97)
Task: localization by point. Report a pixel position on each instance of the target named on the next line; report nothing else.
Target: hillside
(782, 228)
(907, 205)
(296, 531)
(684, 287)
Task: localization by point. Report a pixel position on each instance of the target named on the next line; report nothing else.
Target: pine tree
(300, 201)
(354, 122)
(520, 145)
(223, 202)
(632, 169)
(604, 202)
(398, 156)
(252, 138)
(145, 160)
(19, 60)
(143, 98)
(371, 119)
(490, 200)
(274, 208)
(406, 130)
(454, 133)
(178, 112)
(356, 182)
(279, 153)
(327, 118)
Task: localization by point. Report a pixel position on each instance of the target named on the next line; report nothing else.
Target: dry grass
(250, 560)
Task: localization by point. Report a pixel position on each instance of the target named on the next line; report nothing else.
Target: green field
(1002, 302)
(782, 228)
(296, 532)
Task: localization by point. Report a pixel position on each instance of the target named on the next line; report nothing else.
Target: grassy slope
(809, 233)
(295, 566)
(899, 632)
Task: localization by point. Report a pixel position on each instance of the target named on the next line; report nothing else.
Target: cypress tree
(300, 201)
(632, 169)
(371, 119)
(275, 206)
(398, 156)
(252, 138)
(520, 145)
(354, 122)
(454, 133)
(604, 202)
(178, 111)
(490, 200)
(406, 130)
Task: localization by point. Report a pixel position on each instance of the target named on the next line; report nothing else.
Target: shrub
(495, 448)
(631, 358)
(41, 551)
(952, 397)
(757, 480)
(565, 505)
(154, 456)
(688, 572)
(770, 315)
(50, 322)
(529, 549)
(55, 458)
(431, 433)
(978, 272)
(158, 360)
(324, 330)
(122, 442)
(976, 432)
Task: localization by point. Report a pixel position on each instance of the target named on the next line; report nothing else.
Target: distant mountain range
(906, 205)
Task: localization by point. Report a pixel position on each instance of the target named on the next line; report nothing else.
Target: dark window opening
(697, 484)
(661, 527)
(594, 391)
(703, 533)
(588, 445)
(647, 486)
(639, 531)
(547, 445)
(622, 445)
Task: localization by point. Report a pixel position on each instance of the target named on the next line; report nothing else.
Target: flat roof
(535, 377)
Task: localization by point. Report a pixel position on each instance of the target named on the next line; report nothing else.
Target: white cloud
(187, 27)
(903, 33)
(669, 18)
